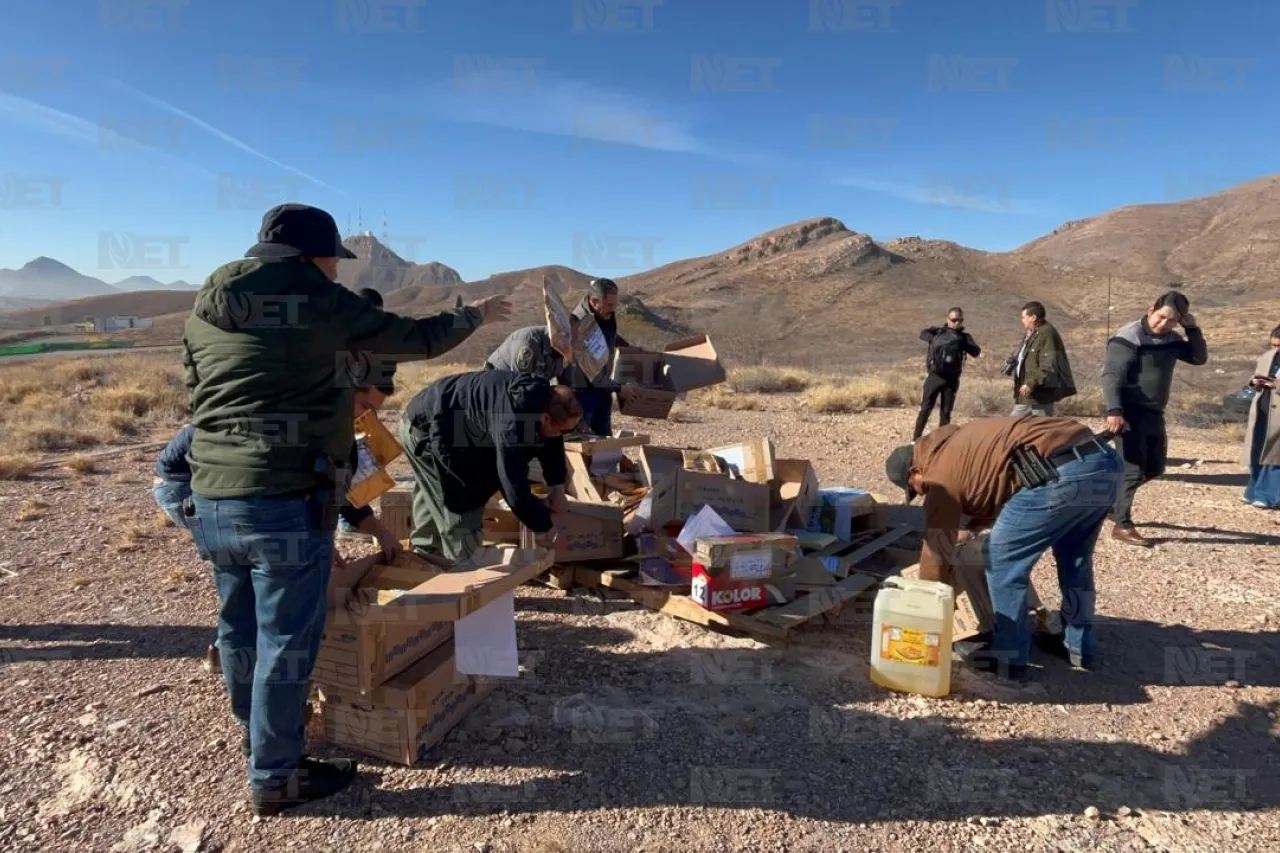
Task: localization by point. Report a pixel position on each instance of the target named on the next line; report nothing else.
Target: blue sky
(148, 136)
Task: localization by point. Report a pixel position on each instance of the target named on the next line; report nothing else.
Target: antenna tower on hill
(386, 237)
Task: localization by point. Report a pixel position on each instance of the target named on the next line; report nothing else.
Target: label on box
(753, 565)
(904, 645)
(721, 594)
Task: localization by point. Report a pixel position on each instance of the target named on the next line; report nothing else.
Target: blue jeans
(271, 562)
(597, 409)
(1064, 515)
(169, 495)
(1264, 480)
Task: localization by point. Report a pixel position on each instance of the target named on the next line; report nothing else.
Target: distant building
(118, 323)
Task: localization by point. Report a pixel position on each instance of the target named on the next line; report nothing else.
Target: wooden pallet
(771, 624)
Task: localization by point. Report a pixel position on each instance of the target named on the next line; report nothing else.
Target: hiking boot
(993, 669)
(1129, 535)
(313, 780)
(212, 662)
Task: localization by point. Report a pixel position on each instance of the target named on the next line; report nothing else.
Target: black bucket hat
(292, 230)
(898, 469)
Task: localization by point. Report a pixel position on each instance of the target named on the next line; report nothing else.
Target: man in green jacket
(1041, 371)
(264, 348)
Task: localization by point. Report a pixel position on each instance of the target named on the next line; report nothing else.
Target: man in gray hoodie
(1136, 380)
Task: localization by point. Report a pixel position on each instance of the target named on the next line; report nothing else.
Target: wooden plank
(879, 543)
(805, 607)
(558, 577)
(677, 605)
(588, 448)
(150, 447)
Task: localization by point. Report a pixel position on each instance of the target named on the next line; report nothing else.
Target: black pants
(934, 387)
(1145, 446)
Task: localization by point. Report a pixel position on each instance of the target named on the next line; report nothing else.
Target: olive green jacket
(1045, 369)
(268, 349)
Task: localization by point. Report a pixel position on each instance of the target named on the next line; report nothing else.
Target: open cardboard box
(793, 492)
(677, 493)
(588, 531)
(399, 612)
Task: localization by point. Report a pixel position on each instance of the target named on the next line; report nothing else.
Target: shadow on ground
(750, 728)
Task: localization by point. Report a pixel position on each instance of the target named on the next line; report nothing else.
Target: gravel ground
(638, 732)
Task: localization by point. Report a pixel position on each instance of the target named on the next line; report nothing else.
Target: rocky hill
(385, 271)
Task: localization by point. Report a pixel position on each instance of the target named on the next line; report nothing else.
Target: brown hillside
(141, 303)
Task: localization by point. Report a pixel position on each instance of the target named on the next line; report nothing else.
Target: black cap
(898, 469)
(290, 230)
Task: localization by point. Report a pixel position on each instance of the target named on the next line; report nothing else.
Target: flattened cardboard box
(793, 492)
(652, 403)
(400, 612)
(588, 531)
(401, 720)
(382, 448)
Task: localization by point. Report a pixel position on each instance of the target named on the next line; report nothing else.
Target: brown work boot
(212, 664)
(1129, 535)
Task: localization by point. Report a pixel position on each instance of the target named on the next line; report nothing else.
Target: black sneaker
(997, 670)
(313, 780)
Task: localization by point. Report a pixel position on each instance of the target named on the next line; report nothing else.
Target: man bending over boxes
(1045, 483)
(474, 434)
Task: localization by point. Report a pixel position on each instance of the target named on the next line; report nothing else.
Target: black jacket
(967, 343)
(572, 375)
(482, 428)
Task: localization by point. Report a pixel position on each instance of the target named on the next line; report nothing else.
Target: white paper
(485, 642)
(753, 565)
(705, 522)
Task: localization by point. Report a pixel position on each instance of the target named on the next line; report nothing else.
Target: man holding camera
(1136, 382)
(1040, 370)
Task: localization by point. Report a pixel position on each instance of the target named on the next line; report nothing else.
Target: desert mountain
(51, 281)
(1230, 240)
(146, 282)
(385, 271)
(819, 294)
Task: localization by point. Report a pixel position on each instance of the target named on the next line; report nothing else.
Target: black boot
(313, 780)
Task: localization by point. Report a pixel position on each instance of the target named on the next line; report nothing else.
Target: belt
(1076, 452)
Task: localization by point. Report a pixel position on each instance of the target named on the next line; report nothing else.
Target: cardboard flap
(595, 445)
(658, 463)
(602, 511)
(558, 326)
(448, 596)
(692, 363)
(381, 443)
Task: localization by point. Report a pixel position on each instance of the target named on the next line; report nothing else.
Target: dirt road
(636, 732)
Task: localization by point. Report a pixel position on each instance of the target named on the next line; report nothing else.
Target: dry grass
(131, 539)
(719, 397)
(82, 465)
(858, 394)
(412, 377)
(770, 379)
(66, 406)
(683, 414)
(1234, 432)
(162, 520)
(78, 583)
(15, 466)
(32, 510)
(176, 576)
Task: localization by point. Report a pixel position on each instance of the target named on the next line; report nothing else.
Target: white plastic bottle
(911, 636)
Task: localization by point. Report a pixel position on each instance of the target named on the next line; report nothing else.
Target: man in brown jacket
(1061, 503)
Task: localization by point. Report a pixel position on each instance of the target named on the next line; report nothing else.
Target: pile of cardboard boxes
(396, 669)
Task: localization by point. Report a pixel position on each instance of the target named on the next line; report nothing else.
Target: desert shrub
(770, 379)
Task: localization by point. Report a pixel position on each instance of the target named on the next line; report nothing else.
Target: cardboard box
(722, 594)
(751, 460)
(559, 328)
(639, 367)
(501, 527)
(692, 363)
(395, 510)
(747, 557)
(400, 612)
(792, 493)
(588, 531)
(402, 719)
(835, 509)
(651, 403)
(743, 505)
(677, 493)
(379, 448)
